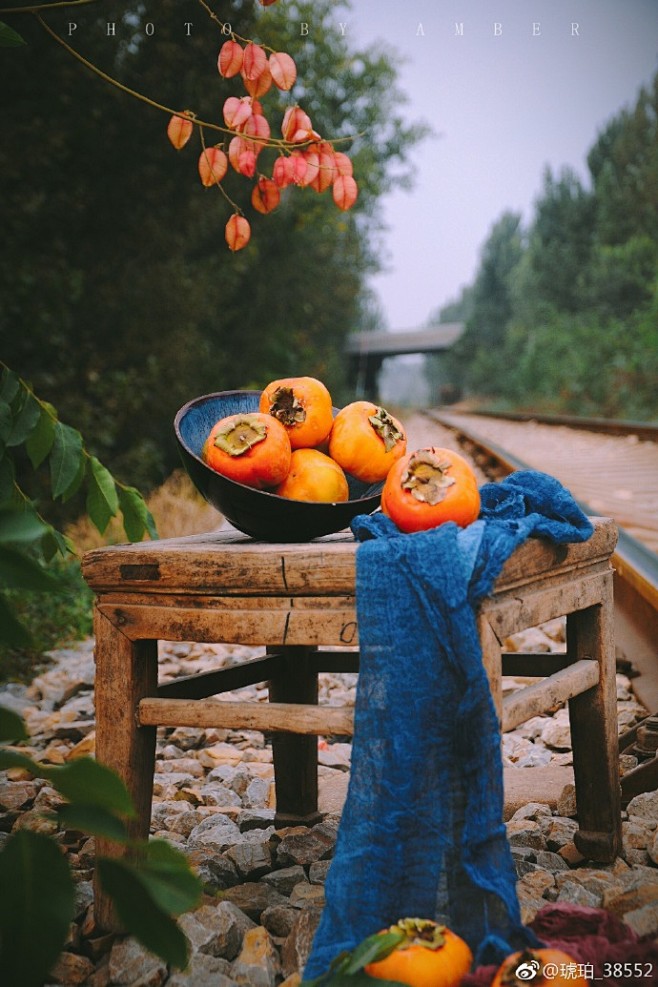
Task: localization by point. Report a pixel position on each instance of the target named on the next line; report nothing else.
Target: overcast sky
(519, 89)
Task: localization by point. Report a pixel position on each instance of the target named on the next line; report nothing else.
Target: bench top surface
(228, 562)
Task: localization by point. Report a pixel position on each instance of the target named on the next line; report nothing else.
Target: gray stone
(216, 831)
(317, 872)
(258, 963)
(576, 894)
(297, 946)
(15, 795)
(213, 868)
(305, 894)
(216, 929)
(652, 848)
(532, 810)
(560, 832)
(71, 969)
(557, 734)
(526, 833)
(636, 837)
(645, 806)
(132, 964)
(252, 859)
(305, 847)
(253, 897)
(176, 816)
(285, 879)
(255, 819)
(551, 861)
(566, 804)
(203, 971)
(256, 794)
(279, 920)
(216, 793)
(643, 921)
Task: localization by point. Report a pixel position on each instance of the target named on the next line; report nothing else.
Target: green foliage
(8, 37)
(48, 620)
(31, 429)
(487, 306)
(575, 314)
(347, 970)
(117, 290)
(37, 904)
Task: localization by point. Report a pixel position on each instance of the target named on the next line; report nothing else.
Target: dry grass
(177, 507)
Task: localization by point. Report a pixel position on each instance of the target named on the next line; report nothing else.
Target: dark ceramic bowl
(258, 513)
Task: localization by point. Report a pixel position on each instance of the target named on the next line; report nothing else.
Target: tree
(476, 360)
(118, 297)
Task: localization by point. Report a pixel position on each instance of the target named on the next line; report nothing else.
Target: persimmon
(430, 955)
(303, 406)
(428, 487)
(314, 476)
(251, 448)
(366, 440)
(529, 965)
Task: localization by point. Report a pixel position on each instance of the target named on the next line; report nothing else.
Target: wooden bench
(297, 601)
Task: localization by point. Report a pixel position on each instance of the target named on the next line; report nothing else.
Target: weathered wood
(293, 599)
(220, 562)
(278, 622)
(295, 756)
(515, 611)
(550, 692)
(534, 665)
(594, 733)
(125, 674)
(491, 659)
(205, 684)
(266, 717)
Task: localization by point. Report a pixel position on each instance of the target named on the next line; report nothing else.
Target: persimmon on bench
(297, 601)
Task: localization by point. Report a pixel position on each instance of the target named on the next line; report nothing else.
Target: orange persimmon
(430, 486)
(430, 955)
(303, 406)
(314, 476)
(251, 448)
(529, 965)
(366, 440)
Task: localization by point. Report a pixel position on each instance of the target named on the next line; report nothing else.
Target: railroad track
(611, 468)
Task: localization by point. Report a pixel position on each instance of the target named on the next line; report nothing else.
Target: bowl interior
(257, 512)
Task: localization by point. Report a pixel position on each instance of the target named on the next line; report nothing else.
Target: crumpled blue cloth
(422, 831)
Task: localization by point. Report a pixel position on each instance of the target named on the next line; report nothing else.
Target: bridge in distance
(367, 351)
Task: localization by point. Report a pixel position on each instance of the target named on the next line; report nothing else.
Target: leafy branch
(27, 540)
(148, 888)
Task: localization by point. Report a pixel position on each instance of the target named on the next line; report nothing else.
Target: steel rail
(609, 426)
(636, 607)
(635, 563)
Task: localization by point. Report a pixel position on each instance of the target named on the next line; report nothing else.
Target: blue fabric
(422, 831)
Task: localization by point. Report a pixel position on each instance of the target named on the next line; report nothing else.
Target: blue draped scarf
(422, 831)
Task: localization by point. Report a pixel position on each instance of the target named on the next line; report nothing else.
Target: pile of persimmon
(294, 447)
(428, 955)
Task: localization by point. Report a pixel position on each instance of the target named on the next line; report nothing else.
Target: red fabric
(592, 936)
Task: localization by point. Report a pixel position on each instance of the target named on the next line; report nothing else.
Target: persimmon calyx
(238, 437)
(286, 407)
(509, 978)
(386, 428)
(426, 477)
(419, 932)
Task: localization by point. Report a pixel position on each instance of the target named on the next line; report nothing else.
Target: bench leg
(126, 671)
(295, 755)
(594, 733)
